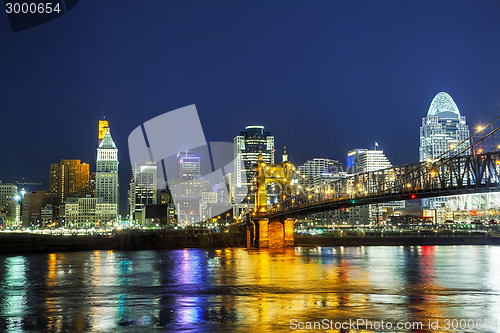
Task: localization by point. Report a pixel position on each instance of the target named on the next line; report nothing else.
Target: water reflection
(240, 290)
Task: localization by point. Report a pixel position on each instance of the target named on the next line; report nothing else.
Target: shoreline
(19, 243)
(16, 243)
(397, 241)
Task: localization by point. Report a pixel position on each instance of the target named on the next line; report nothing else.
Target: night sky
(323, 76)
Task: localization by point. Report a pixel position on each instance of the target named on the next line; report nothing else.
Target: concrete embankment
(127, 240)
(123, 240)
(395, 241)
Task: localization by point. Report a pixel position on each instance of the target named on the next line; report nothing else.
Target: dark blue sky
(324, 77)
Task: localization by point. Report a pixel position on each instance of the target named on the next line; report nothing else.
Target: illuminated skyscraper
(364, 160)
(189, 165)
(443, 130)
(68, 178)
(103, 124)
(143, 187)
(32, 208)
(9, 206)
(247, 147)
(315, 168)
(443, 133)
(107, 170)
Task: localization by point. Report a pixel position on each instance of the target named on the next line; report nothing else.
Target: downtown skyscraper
(444, 133)
(247, 147)
(107, 185)
(143, 187)
(68, 178)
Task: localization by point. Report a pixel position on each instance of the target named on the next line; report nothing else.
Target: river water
(239, 290)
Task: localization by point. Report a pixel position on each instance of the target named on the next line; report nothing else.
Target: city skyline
(250, 165)
(124, 191)
(248, 74)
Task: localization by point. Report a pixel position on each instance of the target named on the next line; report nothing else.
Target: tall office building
(247, 147)
(68, 178)
(364, 160)
(103, 124)
(9, 206)
(315, 168)
(360, 161)
(32, 208)
(143, 187)
(106, 185)
(189, 165)
(444, 133)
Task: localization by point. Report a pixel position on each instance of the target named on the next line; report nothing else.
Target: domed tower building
(443, 130)
(444, 133)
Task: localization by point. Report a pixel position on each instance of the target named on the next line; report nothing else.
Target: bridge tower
(263, 232)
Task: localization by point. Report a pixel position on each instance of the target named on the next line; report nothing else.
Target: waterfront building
(155, 215)
(67, 178)
(318, 168)
(92, 184)
(468, 208)
(443, 133)
(107, 185)
(88, 213)
(165, 196)
(189, 165)
(186, 195)
(251, 142)
(364, 160)
(360, 161)
(221, 189)
(32, 204)
(143, 187)
(326, 178)
(47, 215)
(103, 124)
(9, 205)
(247, 147)
(207, 201)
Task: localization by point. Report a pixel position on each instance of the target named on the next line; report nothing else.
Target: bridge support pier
(288, 232)
(263, 233)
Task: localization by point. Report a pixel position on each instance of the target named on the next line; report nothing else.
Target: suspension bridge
(459, 170)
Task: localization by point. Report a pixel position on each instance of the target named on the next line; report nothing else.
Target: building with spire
(103, 124)
(106, 183)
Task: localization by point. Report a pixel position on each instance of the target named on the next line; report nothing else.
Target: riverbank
(131, 240)
(127, 240)
(396, 241)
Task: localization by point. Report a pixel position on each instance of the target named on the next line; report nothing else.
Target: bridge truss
(476, 173)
